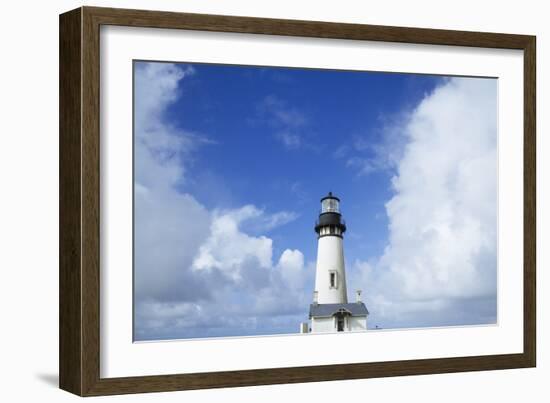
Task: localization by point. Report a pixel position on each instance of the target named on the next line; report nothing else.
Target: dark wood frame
(79, 201)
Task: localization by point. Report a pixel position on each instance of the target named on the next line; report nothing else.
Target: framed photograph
(248, 201)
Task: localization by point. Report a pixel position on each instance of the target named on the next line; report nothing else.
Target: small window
(340, 323)
(332, 229)
(332, 279)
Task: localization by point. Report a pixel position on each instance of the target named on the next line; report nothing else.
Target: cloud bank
(439, 267)
(197, 273)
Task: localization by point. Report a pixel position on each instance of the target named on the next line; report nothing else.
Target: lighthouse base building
(330, 310)
(328, 318)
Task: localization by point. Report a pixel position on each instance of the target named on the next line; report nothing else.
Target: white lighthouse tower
(330, 274)
(330, 310)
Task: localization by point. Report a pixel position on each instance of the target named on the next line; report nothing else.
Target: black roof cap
(330, 196)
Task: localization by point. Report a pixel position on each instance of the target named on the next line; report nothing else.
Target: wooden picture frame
(79, 280)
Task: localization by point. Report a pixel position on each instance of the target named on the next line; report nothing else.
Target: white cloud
(291, 266)
(159, 147)
(197, 272)
(441, 254)
(162, 224)
(271, 221)
(228, 249)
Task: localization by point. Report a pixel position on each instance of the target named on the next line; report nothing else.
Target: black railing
(342, 221)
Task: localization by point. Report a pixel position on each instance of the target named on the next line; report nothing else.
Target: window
(330, 206)
(332, 279)
(332, 229)
(340, 323)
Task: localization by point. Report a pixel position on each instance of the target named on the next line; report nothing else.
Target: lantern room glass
(330, 205)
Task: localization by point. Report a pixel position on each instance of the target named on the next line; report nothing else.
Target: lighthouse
(330, 310)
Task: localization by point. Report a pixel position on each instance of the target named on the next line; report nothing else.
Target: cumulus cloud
(197, 272)
(228, 249)
(439, 267)
(161, 213)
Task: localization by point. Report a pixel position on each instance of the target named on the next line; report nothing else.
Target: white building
(330, 310)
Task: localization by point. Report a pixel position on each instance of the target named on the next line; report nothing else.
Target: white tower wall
(330, 261)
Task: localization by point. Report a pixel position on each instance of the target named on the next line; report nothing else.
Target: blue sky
(231, 162)
(328, 111)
